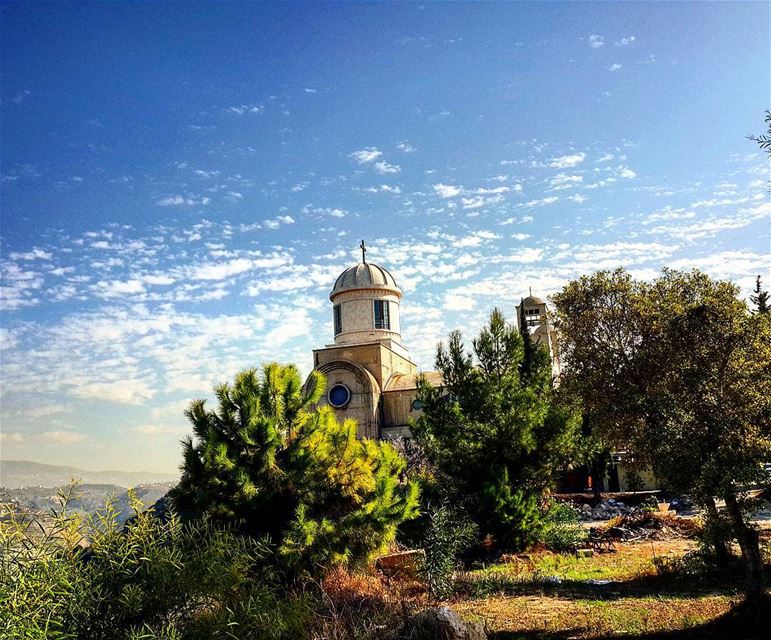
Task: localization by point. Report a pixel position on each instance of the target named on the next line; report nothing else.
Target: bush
(562, 530)
(276, 465)
(447, 535)
(88, 579)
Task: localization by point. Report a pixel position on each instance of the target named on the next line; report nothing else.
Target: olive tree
(678, 372)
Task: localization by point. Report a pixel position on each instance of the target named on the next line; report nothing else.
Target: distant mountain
(39, 502)
(23, 473)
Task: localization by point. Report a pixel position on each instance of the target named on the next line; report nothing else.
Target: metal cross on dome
(363, 252)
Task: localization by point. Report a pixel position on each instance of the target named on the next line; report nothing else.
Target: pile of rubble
(605, 510)
(647, 525)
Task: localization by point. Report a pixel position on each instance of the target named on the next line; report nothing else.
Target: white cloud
(458, 302)
(540, 202)
(35, 254)
(447, 190)
(624, 41)
(614, 67)
(570, 160)
(384, 188)
(383, 167)
(180, 200)
(596, 41)
(406, 147)
(366, 155)
(565, 181)
(476, 239)
(241, 109)
(62, 437)
(276, 222)
(21, 96)
(117, 288)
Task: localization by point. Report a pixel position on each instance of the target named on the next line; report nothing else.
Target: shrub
(90, 579)
(272, 462)
(562, 530)
(447, 535)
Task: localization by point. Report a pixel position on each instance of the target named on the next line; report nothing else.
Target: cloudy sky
(181, 184)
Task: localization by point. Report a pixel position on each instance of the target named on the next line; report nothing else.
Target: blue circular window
(339, 396)
(417, 405)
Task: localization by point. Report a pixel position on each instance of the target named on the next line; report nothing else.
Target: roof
(532, 300)
(405, 382)
(364, 275)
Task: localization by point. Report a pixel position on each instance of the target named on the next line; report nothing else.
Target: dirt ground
(616, 594)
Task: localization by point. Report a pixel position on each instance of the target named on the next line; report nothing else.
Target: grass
(555, 596)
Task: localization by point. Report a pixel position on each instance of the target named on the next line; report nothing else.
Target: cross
(363, 252)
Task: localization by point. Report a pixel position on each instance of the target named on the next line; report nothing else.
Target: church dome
(365, 275)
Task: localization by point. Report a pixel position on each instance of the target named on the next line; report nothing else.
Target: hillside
(24, 473)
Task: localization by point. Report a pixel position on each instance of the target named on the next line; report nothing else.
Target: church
(370, 375)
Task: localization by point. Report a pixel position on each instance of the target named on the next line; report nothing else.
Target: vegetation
(678, 372)
(562, 530)
(448, 534)
(90, 579)
(269, 462)
(760, 298)
(494, 432)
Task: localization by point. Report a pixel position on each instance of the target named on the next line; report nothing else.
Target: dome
(364, 275)
(532, 301)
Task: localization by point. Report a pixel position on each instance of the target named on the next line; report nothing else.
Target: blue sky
(182, 183)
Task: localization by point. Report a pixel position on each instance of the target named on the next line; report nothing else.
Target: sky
(182, 183)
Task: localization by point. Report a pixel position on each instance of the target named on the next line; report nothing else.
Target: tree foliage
(88, 578)
(678, 372)
(273, 463)
(494, 430)
(764, 139)
(760, 298)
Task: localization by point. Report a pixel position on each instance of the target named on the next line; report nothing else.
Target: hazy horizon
(183, 182)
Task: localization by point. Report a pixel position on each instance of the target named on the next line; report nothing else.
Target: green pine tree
(496, 436)
(270, 462)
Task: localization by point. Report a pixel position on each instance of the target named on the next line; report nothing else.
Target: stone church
(370, 375)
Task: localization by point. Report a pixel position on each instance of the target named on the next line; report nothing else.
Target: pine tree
(760, 299)
(496, 436)
(270, 462)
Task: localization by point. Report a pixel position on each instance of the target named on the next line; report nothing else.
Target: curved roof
(532, 300)
(364, 275)
(409, 381)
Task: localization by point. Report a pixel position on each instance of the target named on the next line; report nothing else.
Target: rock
(585, 508)
(405, 563)
(443, 623)
(584, 553)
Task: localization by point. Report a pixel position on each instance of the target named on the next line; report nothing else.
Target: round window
(339, 396)
(417, 405)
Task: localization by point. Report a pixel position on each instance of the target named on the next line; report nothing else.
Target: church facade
(370, 375)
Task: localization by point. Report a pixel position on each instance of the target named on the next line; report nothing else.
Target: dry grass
(546, 596)
(592, 618)
(532, 603)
